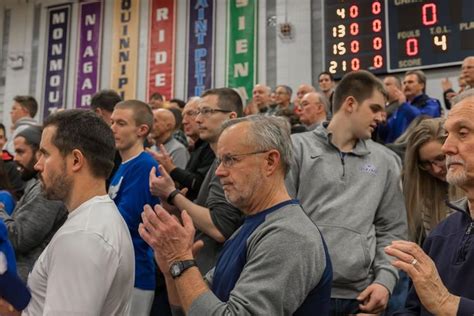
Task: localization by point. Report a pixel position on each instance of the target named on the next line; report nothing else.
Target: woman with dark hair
(424, 182)
(7, 201)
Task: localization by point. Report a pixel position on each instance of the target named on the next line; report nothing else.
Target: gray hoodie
(357, 203)
(32, 224)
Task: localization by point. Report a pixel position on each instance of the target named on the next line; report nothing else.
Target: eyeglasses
(191, 113)
(209, 111)
(229, 160)
(439, 161)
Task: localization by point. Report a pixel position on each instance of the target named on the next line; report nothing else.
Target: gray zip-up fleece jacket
(32, 224)
(357, 203)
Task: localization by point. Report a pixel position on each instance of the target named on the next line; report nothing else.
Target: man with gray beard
(442, 273)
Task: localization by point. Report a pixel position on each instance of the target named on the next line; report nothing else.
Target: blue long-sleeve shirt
(399, 121)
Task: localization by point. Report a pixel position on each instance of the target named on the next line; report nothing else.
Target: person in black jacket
(201, 158)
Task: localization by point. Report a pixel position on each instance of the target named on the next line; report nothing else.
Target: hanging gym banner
(125, 48)
(241, 46)
(161, 48)
(200, 56)
(88, 69)
(58, 30)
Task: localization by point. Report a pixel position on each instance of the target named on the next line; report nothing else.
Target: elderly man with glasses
(276, 263)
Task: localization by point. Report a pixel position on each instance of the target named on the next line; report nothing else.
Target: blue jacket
(402, 117)
(451, 246)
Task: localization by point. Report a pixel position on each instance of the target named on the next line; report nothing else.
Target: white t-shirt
(88, 267)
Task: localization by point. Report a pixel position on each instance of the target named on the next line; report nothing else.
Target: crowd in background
(369, 165)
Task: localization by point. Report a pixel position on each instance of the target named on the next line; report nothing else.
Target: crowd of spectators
(347, 198)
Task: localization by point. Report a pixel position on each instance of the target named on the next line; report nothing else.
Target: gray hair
(464, 95)
(266, 133)
(325, 101)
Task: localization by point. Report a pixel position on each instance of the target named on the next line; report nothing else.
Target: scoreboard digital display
(355, 36)
(413, 34)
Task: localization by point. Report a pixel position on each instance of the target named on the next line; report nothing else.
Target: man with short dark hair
(414, 103)
(156, 101)
(22, 114)
(212, 214)
(87, 269)
(35, 219)
(103, 103)
(327, 84)
(350, 186)
(132, 120)
(276, 264)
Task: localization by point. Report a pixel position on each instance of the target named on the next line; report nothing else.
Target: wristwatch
(178, 267)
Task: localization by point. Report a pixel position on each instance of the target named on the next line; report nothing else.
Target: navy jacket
(451, 246)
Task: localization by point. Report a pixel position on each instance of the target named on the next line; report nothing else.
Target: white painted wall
(293, 61)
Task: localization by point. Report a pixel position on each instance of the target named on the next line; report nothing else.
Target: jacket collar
(360, 148)
(460, 205)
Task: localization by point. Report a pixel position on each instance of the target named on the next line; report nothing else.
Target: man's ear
(78, 159)
(350, 104)
(232, 115)
(143, 130)
(273, 161)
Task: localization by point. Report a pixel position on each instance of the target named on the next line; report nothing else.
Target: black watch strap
(178, 267)
(172, 195)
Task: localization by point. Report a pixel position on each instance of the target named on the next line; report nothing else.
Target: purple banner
(90, 34)
(200, 46)
(56, 58)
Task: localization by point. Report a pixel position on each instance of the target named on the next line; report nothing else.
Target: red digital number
(377, 43)
(378, 61)
(354, 11)
(411, 46)
(377, 25)
(376, 7)
(355, 64)
(354, 28)
(355, 46)
(429, 14)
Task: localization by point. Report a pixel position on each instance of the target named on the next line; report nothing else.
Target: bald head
(314, 108)
(468, 70)
(163, 125)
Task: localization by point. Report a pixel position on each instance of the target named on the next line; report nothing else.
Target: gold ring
(414, 261)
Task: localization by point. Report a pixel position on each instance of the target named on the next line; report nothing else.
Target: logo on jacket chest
(369, 168)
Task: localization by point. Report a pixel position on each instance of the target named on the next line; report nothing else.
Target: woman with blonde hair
(424, 181)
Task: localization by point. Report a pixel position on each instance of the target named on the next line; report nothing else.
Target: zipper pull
(469, 229)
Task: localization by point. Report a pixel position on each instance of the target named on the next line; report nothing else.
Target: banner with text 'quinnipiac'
(241, 46)
(125, 48)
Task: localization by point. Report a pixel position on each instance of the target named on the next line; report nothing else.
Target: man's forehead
(211, 99)
(462, 111)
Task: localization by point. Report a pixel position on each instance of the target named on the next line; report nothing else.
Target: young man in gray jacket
(350, 187)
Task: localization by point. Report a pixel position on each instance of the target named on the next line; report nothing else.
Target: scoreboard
(385, 36)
